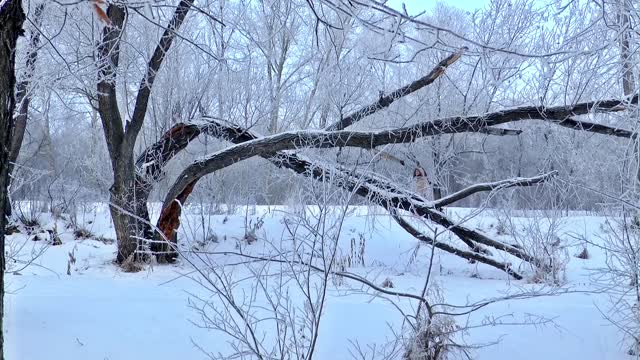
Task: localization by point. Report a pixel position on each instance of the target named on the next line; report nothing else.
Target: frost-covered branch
(146, 84)
(575, 124)
(497, 185)
(386, 100)
(349, 275)
(376, 189)
(469, 255)
(155, 157)
(269, 145)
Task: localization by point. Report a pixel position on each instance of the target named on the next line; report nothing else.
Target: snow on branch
(497, 185)
(574, 124)
(391, 197)
(153, 67)
(386, 100)
(469, 255)
(378, 190)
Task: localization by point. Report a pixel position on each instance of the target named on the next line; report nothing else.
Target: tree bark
(386, 100)
(23, 97)
(11, 20)
(375, 189)
(268, 146)
(469, 255)
(628, 78)
(130, 189)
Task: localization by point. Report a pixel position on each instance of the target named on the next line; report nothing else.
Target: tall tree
(23, 96)
(129, 192)
(11, 19)
(626, 54)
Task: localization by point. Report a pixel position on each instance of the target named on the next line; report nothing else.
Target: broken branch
(497, 185)
(469, 255)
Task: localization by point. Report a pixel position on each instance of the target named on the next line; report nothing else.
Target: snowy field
(90, 309)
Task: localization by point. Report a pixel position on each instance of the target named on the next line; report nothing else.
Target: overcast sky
(414, 6)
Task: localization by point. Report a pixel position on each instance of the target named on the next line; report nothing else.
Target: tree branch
(358, 278)
(150, 163)
(178, 137)
(268, 146)
(23, 89)
(469, 255)
(574, 124)
(559, 115)
(497, 185)
(375, 189)
(386, 194)
(108, 55)
(386, 100)
(144, 91)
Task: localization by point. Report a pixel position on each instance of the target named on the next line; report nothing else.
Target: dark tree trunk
(127, 222)
(130, 189)
(23, 98)
(11, 19)
(130, 215)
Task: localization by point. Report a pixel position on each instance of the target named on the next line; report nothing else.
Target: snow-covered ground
(100, 312)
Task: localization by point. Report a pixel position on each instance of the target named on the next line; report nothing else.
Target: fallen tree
(376, 189)
(469, 255)
(268, 147)
(150, 164)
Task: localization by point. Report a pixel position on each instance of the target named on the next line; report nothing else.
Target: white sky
(415, 6)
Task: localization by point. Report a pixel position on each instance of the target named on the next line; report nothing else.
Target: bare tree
(129, 192)
(11, 20)
(275, 296)
(24, 94)
(266, 147)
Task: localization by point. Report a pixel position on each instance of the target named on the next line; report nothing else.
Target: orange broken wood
(99, 12)
(169, 220)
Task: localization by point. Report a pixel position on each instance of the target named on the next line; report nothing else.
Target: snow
(100, 312)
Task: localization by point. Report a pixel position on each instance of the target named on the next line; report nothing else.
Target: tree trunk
(23, 98)
(122, 205)
(128, 207)
(436, 187)
(628, 79)
(130, 189)
(11, 19)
